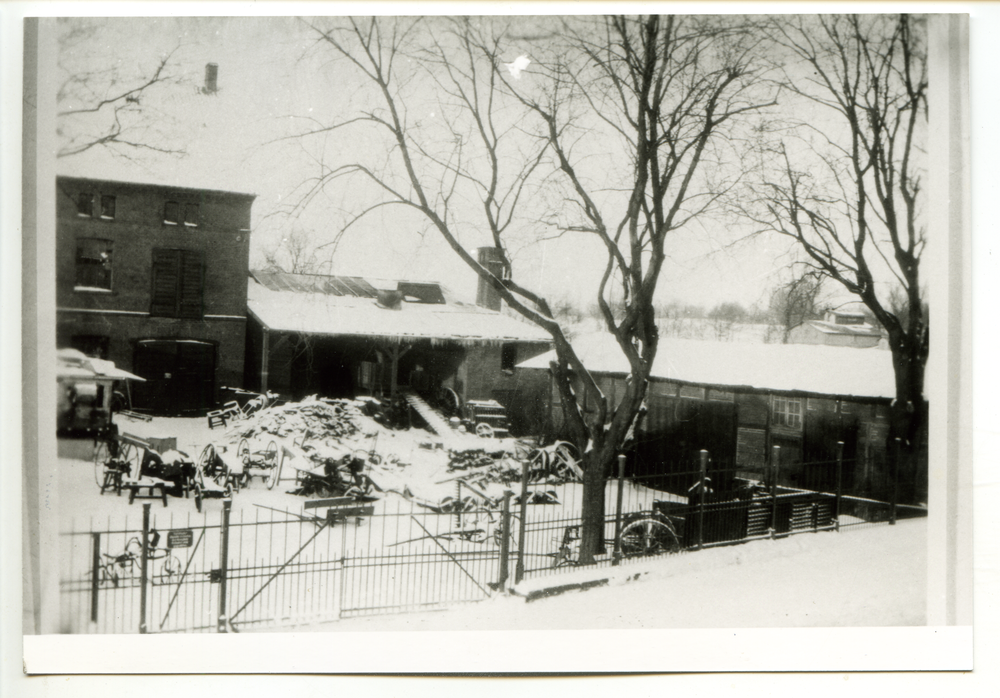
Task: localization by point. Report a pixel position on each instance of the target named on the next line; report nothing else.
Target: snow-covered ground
(867, 577)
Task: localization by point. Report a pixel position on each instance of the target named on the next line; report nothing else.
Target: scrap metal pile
(337, 447)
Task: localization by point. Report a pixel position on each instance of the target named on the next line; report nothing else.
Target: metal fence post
(895, 480)
(703, 475)
(519, 570)
(775, 468)
(840, 484)
(224, 565)
(617, 556)
(144, 567)
(95, 578)
(505, 542)
(458, 504)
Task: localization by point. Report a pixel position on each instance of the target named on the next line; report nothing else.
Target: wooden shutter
(166, 282)
(192, 285)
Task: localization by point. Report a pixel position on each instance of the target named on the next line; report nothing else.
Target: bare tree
(103, 106)
(849, 190)
(794, 302)
(617, 124)
(295, 253)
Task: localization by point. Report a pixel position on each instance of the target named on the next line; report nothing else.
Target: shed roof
(328, 305)
(807, 368)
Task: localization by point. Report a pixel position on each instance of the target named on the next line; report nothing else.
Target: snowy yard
(863, 578)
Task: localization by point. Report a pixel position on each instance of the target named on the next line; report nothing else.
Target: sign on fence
(180, 538)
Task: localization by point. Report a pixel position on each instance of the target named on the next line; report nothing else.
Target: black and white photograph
(355, 324)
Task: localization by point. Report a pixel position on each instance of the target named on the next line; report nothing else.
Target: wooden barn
(341, 336)
(739, 400)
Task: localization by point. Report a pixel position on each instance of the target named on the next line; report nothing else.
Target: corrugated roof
(809, 368)
(306, 304)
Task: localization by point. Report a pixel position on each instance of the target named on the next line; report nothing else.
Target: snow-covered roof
(807, 368)
(319, 305)
(854, 330)
(75, 365)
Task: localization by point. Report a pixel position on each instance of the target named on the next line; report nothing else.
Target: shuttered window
(178, 283)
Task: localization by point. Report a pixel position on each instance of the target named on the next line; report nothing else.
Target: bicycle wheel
(102, 454)
(648, 536)
(170, 570)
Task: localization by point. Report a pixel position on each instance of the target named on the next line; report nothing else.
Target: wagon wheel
(271, 455)
(564, 457)
(102, 454)
(449, 400)
(131, 457)
(228, 491)
(170, 568)
(484, 430)
(648, 536)
(243, 453)
(274, 474)
(206, 460)
(197, 496)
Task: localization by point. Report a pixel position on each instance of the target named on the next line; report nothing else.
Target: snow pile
(312, 419)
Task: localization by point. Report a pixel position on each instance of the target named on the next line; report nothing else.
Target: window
(689, 391)
(508, 357)
(108, 207)
(721, 395)
(93, 265)
(85, 205)
(788, 412)
(91, 345)
(171, 213)
(191, 215)
(178, 284)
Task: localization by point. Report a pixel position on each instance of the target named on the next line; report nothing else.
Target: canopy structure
(806, 368)
(75, 365)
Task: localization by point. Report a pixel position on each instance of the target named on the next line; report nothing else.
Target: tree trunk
(908, 418)
(592, 528)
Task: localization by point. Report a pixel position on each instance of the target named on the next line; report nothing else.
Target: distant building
(837, 328)
(153, 278)
(343, 336)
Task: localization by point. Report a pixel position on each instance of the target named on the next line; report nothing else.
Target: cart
(266, 461)
(127, 462)
(215, 475)
(488, 417)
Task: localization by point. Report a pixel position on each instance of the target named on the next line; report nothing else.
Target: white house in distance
(838, 328)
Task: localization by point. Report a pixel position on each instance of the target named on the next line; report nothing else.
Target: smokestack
(211, 78)
(486, 295)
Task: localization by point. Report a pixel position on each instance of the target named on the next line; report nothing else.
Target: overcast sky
(271, 78)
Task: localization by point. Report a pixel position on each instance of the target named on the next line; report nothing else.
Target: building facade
(839, 329)
(153, 278)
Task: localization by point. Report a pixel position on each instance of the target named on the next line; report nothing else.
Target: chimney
(390, 300)
(211, 78)
(486, 295)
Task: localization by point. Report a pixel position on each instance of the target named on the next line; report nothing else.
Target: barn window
(508, 357)
(690, 391)
(93, 264)
(108, 207)
(171, 213)
(192, 215)
(788, 412)
(177, 284)
(85, 205)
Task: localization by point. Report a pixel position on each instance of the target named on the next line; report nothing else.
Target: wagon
(267, 462)
(127, 462)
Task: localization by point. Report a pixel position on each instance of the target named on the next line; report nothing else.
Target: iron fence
(280, 568)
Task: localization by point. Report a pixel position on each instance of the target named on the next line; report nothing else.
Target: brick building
(153, 278)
